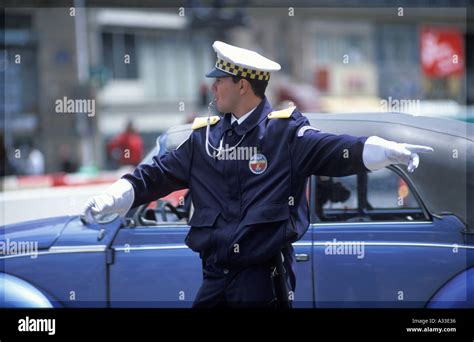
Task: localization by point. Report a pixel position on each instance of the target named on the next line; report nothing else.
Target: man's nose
(214, 87)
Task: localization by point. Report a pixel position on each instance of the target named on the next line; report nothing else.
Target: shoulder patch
(303, 129)
(282, 114)
(202, 121)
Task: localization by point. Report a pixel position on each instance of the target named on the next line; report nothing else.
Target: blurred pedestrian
(6, 166)
(129, 145)
(67, 163)
(35, 161)
(204, 94)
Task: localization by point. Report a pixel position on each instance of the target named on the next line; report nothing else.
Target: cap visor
(218, 73)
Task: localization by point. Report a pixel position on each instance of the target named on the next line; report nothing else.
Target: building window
(119, 53)
(333, 47)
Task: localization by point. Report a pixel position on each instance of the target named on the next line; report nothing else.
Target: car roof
(176, 135)
(434, 124)
(442, 177)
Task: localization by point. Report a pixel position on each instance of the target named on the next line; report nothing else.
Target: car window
(175, 208)
(375, 196)
(338, 193)
(387, 190)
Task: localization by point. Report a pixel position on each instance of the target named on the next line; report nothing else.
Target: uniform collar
(243, 117)
(254, 118)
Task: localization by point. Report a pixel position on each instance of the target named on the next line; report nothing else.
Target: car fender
(456, 293)
(18, 293)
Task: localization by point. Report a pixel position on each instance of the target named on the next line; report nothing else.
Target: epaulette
(202, 121)
(282, 114)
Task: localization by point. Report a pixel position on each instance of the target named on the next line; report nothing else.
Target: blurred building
(139, 64)
(148, 65)
(40, 68)
(365, 52)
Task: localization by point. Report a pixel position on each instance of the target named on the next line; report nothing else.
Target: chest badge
(258, 164)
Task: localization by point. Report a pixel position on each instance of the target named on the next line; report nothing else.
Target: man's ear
(244, 86)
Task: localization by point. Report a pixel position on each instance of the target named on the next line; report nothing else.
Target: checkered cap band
(241, 71)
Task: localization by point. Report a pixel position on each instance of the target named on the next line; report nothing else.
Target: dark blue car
(379, 239)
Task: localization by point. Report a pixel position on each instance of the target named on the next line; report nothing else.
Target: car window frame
(134, 219)
(428, 217)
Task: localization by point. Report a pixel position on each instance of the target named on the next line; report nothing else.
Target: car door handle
(301, 257)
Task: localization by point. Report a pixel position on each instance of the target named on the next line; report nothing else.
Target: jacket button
(226, 271)
(229, 133)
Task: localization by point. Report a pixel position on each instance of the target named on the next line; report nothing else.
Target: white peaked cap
(241, 62)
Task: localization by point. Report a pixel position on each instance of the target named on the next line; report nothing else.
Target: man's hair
(257, 86)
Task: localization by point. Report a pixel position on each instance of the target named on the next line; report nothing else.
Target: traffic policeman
(247, 170)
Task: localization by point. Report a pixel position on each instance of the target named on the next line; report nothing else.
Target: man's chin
(221, 109)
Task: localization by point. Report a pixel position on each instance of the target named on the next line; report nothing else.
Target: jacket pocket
(200, 235)
(260, 236)
(204, 217)
(267, 213)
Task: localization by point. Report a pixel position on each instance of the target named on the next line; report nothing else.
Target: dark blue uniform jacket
(243, 217)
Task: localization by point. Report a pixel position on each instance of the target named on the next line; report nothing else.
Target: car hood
(42, 233)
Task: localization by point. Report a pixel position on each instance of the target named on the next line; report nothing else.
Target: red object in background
(321, 79)
(64, 179)
(403, 191)
(131, 141)
(175, 198)
(440, 47)
(304, 96)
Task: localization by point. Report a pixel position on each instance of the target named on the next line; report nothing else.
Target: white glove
(379, 153)
(117, 199)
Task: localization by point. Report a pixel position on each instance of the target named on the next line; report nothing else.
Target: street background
(76, 77)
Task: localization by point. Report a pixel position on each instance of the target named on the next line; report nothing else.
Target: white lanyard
(220, 149)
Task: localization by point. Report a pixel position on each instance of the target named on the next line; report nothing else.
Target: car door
(375, 244)
(303, 296)
(152, 267)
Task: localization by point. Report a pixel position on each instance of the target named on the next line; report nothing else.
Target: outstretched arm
(333, 155)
